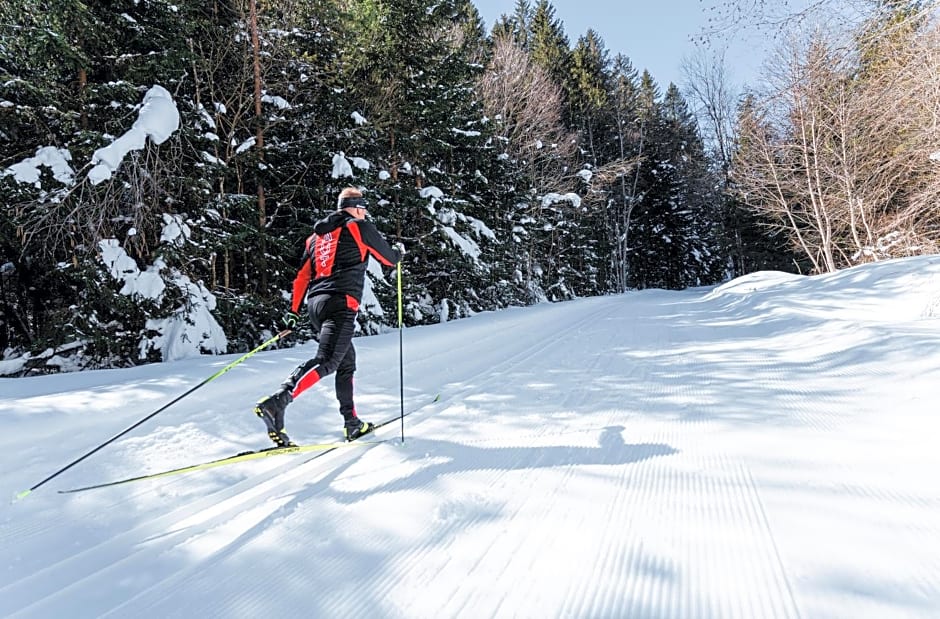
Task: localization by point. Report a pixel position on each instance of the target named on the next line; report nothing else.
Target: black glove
(290, 320)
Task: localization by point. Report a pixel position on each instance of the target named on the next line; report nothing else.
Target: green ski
(323, 448)
(242, 457)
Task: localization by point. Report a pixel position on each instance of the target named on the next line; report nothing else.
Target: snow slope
(765, 448)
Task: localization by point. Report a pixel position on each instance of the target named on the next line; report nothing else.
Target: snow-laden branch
(158, 119)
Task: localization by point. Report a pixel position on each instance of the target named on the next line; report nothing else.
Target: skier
(331, 280)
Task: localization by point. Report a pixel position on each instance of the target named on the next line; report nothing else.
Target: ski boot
(355, 428)
(271, 410)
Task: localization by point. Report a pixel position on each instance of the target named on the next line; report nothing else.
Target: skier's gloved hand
(290, 320)
(400, 247)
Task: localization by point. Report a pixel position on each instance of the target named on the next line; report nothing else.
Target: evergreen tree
(695, 253)
(469, 148)
(588, 87)
(415, 70)
(515, 27)
(548, 44)
(676, 225)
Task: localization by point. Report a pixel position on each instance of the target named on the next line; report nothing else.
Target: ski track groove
(233, 496)
(624, 555)
(535, 536)
(103, 553)
(128, 497)
(719, 556)
(419, 555)
(168, 526)
(581, 591)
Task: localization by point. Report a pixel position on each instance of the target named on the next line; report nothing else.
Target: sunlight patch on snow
(366, 476)
(79, 401)
(487, 397)
(766, 450)
(218, 538)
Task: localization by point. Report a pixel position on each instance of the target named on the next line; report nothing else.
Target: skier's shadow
(440, 458)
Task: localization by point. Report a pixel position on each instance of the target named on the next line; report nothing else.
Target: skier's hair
(351, 197)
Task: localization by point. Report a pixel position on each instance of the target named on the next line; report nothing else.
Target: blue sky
(655, 35)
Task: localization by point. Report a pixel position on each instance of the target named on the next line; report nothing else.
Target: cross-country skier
(330, 282)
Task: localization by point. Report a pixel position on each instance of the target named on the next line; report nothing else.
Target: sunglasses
(354, 203)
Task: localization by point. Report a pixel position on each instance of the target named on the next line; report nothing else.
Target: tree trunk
(259, 146)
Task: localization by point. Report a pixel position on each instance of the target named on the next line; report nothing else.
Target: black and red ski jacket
(336, 256)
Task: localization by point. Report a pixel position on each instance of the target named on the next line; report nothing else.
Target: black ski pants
(334, 319)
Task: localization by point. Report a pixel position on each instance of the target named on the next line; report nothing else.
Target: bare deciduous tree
(708, 90)
(526, 105)
(840, 154)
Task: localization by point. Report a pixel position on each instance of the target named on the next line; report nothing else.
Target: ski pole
(280, 335)
(401, 357)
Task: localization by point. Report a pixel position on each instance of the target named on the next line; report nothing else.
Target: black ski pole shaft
(401, 356)
(25, 493)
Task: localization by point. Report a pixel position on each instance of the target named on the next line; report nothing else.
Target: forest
(517, 164)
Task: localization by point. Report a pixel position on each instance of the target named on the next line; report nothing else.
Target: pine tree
(515, 27)
(548, 44)
(413, 67)
(675, 225)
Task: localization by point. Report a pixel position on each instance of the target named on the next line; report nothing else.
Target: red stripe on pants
(306, 381)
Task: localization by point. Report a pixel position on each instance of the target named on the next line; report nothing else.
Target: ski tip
(19, 496)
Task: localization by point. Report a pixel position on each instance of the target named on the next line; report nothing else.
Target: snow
(341, 166)
(245, 145)
(158, 119)
(765, 448)
(466, 246)
(13, 366)
(56, 159)
(358, 118)
(210, 158)
(481, 229)
(175, 230)
(431, 192)
(190, 329)
(145, 284)
(553, 198)
(278, 102)
(206, 118)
